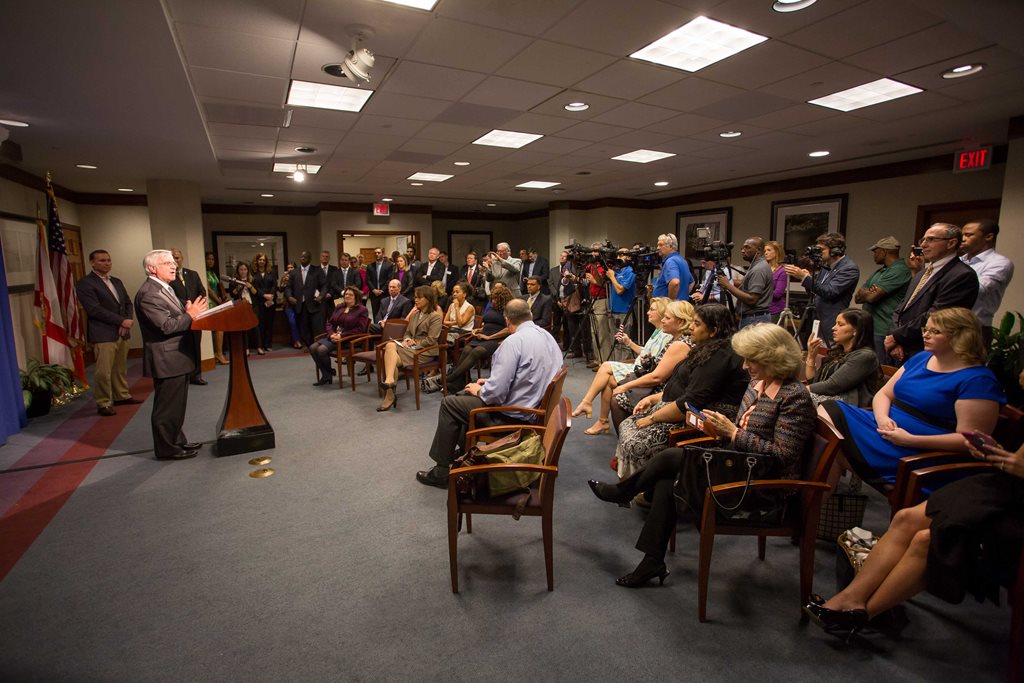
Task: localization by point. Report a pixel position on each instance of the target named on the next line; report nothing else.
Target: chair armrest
(502, 467)
(906, 466)
(677, 436)
(364, 340)
(918, 478)
(491, 409)
(320, 336)
(698, 440)
(780, 484)
(433, 347)
(473, 435)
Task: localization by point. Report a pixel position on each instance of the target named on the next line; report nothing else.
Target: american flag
(62, 276)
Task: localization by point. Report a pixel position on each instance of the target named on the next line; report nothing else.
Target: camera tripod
(787, 320)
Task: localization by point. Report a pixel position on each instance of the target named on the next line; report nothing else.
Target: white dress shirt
(994, 272)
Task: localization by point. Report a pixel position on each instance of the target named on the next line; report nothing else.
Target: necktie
(530, 301)
(469, 279)
(920, 284)
(388, 312)
(181, 276)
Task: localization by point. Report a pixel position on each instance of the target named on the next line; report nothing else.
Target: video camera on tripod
(815, 255)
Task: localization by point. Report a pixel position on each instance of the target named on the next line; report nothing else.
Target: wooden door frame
(925, 210)
(415, 234)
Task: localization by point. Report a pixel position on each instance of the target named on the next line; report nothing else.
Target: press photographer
(623, 280)
(754, 294)
(715, 260)
(830, 283)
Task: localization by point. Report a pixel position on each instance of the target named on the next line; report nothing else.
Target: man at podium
(169, 353)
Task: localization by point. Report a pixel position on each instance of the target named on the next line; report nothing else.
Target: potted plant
(40, 383)
(1004, 357)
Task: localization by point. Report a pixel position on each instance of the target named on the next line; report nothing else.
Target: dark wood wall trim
(480, 216)
(368, 208)
(17, 175)
(99, 199)
(264, 210)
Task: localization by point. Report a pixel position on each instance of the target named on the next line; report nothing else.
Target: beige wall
(332, 222)
(523, 234)
(302, 231)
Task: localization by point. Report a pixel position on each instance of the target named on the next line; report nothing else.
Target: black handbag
(704, 467)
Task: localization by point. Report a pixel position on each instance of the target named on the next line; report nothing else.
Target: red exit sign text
(381, 209)
(972, 160)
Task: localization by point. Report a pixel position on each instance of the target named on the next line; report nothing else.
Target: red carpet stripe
(23, 522)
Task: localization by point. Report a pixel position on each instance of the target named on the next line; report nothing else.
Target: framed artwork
(20, 238)
(231, 248)
(796, 223)
(696, 228)
(461, 242)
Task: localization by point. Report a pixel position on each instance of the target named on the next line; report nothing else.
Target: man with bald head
(393, 306)
(755, 292)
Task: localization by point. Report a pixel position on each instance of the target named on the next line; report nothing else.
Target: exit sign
(381, 209)
(972, 160)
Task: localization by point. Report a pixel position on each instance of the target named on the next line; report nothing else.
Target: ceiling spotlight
(491, 204)
(387, 199)
(13, 123)
(791, 5)
(266, 195)
(305, 150)
(86, 166)
(661, 183)
(577, 106)
(460, 163)
(125, 189)
(819, 153)
(416, 184)
(964, 70)
(730, 134)
(300, 174)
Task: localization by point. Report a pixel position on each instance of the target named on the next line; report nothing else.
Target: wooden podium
(243, 426)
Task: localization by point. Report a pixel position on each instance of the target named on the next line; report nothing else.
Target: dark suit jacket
(541, 310)
(168, 348)
(265, 283)
(105, 313)
(541, 270)
(304, 293)
(956, 284)
(400, 310)
(553, 281)
(479, 297)
(192, 287)
(340, 280)
(833, 289)
(379, 279)
(408, 281)
(436, 273)
(453, 277)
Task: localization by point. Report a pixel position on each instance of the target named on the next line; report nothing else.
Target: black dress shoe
(435, 476)
(837, 622)
(106, 411)
(321, 382)
(648, 568)
(610, 493)
(191, 446)
(184, 455)
(130, 401)
(201, 382)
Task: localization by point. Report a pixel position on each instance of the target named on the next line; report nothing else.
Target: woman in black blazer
(406, 275)
(265, 282)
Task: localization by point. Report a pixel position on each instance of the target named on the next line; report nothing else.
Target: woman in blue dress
(937, 393)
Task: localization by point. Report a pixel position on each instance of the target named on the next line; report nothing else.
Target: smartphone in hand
(814, 329)
(693, 409)
(979, 440)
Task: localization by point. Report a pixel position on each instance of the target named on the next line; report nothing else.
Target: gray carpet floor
(336, 568)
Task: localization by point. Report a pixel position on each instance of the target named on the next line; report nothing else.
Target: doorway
(364, 243)
(957, 213)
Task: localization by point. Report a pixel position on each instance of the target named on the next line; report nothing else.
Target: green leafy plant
(1004, 358)
(40, 377)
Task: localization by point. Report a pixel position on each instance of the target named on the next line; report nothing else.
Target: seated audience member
(941, 391)
(611, 372)
(394, 306)
(242, 288)
(521, 370)
(711, 377)
(539, 302)
(289, 311)
(440, 295)
(485, 340)
(963, 539)
(850, 371)
(676, 323)
(461, 314)
(776, 418)
(423, 330)
(348, 319)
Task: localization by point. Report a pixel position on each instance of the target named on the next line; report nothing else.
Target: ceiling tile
(741, 106)
(635, 115)
(691, 93)
(759, 17)
(833, 125)
(323, 118)
(232, 130)
(425, 80)
(687, 124)
(592, 131)
(912, 105)
(762, 64)
(224, 112)
(630, 79)
(510, 93)
(435, 147)
(791, 116)
(869, 24)
(641, 139)
(465, 46)
(462, 113)
(246, 144)
(554, 64)
(558, 145)
(531, 18)
(273, 18)
(538, 123)
(404, 106)
(598, 105)
(233, 51)
(362, 140)
(824, 80)
(229, 85)
(387, 125)
(996, 59)
(448, 132)
(618, 28)
(304, 135)
(931, 45)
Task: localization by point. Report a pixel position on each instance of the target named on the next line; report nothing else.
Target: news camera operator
(594, 273)
(834, 283)
(623, 281)
(754, 294)
(715, 261)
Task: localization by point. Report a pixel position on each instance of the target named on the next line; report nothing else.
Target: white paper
(211, 311)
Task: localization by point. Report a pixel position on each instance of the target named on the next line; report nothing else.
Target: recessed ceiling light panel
(875, 92)
(643, 156)
(537, 185)
(306, 94)
(430, 177)
(963, 70)
(415, 4)
(507, 138)
(698, 44)
(311, 169)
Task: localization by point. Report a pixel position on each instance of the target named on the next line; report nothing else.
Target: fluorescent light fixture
(306, 94)
(820, 153)
(126, 189)
(415, 4)
(507, 138)
(577, 106)
(961, 71)
(387, 199)
(311, 169)
(266, 194)
(416, 184)
(13, 123)
(86, 166)
(643, 156)
(430, 177)
(537, 185)
(698, 44)
(661, 183)
(730, 134)
(875, 92)
(791, 5)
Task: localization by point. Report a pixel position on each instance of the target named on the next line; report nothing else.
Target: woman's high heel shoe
(587, 408)
(610, 493)
(645, 571)
(390, 398)
(837, 622)
(602, 426)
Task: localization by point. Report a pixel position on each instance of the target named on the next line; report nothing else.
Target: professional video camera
(815, 254)
(717, 251)
(604, 255)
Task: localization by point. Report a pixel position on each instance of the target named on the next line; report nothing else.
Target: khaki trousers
(110, 382)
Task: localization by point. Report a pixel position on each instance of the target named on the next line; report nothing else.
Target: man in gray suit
(168, 352)
(832, 287)
(505, 269)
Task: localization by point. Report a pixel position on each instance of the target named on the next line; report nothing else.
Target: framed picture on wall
(232, 248)
(796, 223)
(461, 242)
(20, 239)
(694, 229)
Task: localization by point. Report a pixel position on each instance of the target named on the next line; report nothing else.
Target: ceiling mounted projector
(358, 62)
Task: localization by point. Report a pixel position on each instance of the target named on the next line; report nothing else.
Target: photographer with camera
(623, 280)
(884, 290)
(755, 292)
(600, 319)
(831, 287)
(675, 280)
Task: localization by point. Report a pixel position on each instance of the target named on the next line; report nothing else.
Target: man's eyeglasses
(929, 238)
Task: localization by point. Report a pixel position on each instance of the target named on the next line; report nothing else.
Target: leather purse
(704, 467)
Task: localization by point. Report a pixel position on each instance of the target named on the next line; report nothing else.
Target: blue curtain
(12, 406)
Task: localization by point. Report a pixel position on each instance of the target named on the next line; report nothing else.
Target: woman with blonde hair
(774, 255)
(937, 394)
(611, 372)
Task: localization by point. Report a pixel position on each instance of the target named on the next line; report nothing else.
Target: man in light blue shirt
(994, 270)
(675, 280)
(521, 369)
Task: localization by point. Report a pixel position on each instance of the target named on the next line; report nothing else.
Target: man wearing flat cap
(884, 290)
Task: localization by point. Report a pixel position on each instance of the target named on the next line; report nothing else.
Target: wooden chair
(801, 521)
(541, 497)
(421, 364)
(888, 371)
(364, 349)
(463, 339)
(343, 348)
(552, 395)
